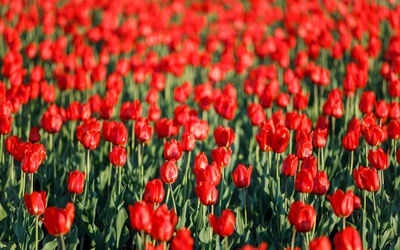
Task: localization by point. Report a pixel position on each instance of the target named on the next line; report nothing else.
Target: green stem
(110, 170)
(143, 239)
(119, 179)
(133, 136)
(277, 174)
(244, 208)
(37, 233)
(373, 200)
(31, 182)
(74, 197)
(61, 242)
(221, 190)
(186, 177)
(22, 184)
(226, 243)
(87, 173)
(140, 164)
(172, 196)
(344, 222)
(293, 239)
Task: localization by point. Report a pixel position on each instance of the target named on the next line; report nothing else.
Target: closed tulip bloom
(118, 156)
(34, 135)
(76, 181)
(320, 137)
(262, 246)
(300, 100)
(120, 135)
(188, 141)
(89, 133)
(35, 203)
(343, 203)
(304, 181)
(304, 149)
(221, 156)
(289, 165)
(207, 193)
(382, 109)
(367, 102)
(5, 124)
(310, 163)
(58, 221)
(394, 129)
(200, 162)
(154, 191)
(224, 225)
(350, 141)
(163, 223)
(256, 114)
(366, 179)
(198, 128)
(166, 128)
(349, 238)
(172, 150)
(224, 137)
(154, 113)
(141, 214)
(32, 158)
(107, 130)
(280, 140)
(302, 216)
(320, 243)
(282, 100)
(211, 173)
(143, 131)
(394, 111)
(265, 136)
(321, 183)
(242, 176)
(169, 172)
(374, 135)
(378, 159)
(11, 144)
(182, 240)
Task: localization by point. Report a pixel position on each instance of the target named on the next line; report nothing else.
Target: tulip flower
(366, 179)
(256, 114)
(224, 137)
(207, 193)
(321, 184)
(221, 156)
(141, 216)
(182, 240)
(343, 204)
(348, 238)
(58, 221)
(34, 135)
(289, 165)
(211, 173)
(374, 135)
(172, 150)
(154, 191)
(367, 102)
(302, 217)
(378, 159)
(394, 129)
(350, 141)
(35, 204)
(76, 182)
(163, 223)
(304, 181)
(188, 141)
(169, 174)
(200, 163)
(262, 246)
(224, 225)
(320, 243)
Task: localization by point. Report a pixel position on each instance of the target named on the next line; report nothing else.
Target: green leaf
(204, 235)
(121, 218)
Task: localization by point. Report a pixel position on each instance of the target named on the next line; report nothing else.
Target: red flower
(210, 173)
(221, 156)
(302, 216)
(374, 135)
(182, 92)
(280, 140)
(12, 144)
(367, 102)
(320, 137)
(35, 203)
(394, 129)
(256, 113)
(350, 141)
(207, 193)
(300, 101)
(143, 131)
(198, 128)
(172, 150)
(182, 240)
(166, 128)
(89, 133)
(76, 181)
(34, 135)
(320, 243)
(262, 246)
(366, 179)
(5, 124)
(242, 176)
(163, 223)
(382, 109)
(224, 225)
(141, 215)
(200, 163)
(169, 172)
(154, 191)
(58, 221)
(224, 137)
(188, 141)
(118, 156)
(289, 165)
(333, 105)
(342, 203)
(321, 183)
(33, 156)
(304, 181)
(349, 238)
(378, 159)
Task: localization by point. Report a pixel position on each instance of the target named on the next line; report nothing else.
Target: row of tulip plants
(172, 124)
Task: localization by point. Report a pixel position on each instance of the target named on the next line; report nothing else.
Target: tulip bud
(207, 193)
(224, 225)
(76, 181)
(188, 141)
(34, 135)
(58, 221)
(141, 214)
(349, 238)
(342, 203)
(302, 216)
(289, 165)
(169, 172)
(118, 156)
(154, 191)
(35, 203)
(172, 150)
(242, 176)
(200, 163)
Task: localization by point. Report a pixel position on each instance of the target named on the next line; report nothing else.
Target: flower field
(171, 124)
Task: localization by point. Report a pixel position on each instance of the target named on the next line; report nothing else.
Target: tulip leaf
(121, 219)
(204, 235)
(239, 221)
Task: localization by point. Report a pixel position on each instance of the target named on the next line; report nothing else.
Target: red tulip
(5, 124)
(224, 137)
(289, 165)
(304, 181)
(141, 215)
(35, 203)
(143, 131)
(321, 184)
(76, 181)
(207, 193)
(34, 135)
(382, 109)
(169, 172)
(374, 135)
(130, 111)
(242, 176)
(154, 191)
(350, 141)
(172, 150)
(89, 133)
(378, 159)
(302, 216)
(300, 101)
(366, 179)
(163, 223)
(262, 246)
(342, 203)
(211, 174)
(280, 140)
(188, 141)
(11, 144)
(394, 111)
(394, 129)
(58, 221)
(200, 163)
(256, 114)
(33, 156)
(367, 102)
(349, 238)
(224, 225)
(221, 156)
(166, 128)
(182, 240)
(320, 243)
(320, 137)
(118, 156)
